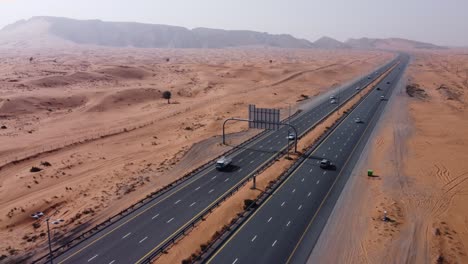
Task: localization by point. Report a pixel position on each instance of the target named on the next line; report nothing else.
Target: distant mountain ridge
(132, 34)
(330, 43)
(390, 43)
(50, 32)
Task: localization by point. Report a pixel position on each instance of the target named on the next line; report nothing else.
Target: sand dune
(93, 176)
(126, 98)
(61, 81)
(125, 72)
(29, 105)
(419, 154)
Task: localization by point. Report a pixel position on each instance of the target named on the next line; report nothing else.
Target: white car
(358, 120)
(333, 102)
(332, 97)
(291, 136)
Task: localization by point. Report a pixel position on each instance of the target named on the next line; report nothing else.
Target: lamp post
(289, 123)
(37, 216)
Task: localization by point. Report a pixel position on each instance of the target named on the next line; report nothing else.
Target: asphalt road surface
(275, 232)
(136, 236)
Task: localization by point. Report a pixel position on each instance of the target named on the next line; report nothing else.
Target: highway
(134, 237)
(286, 226)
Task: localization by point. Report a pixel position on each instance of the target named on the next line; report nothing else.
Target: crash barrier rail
(74, 241)
(189, 226)
(96, 229)
(214, 245)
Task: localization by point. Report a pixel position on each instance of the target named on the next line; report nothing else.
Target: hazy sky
(442, 22)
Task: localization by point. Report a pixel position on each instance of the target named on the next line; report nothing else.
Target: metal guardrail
(96, 229)
(214, 245)
(283, 176)
(149, 198)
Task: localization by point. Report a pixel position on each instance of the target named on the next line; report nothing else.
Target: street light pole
(39, 215)
(287, 137)
(50, 244)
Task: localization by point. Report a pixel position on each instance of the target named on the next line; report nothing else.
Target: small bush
(3, 127)
(248, 203)
(187, 261)
(203, 247)
(46, 164)
(35, 169)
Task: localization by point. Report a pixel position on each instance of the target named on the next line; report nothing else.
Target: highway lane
(140, 233)
(272, 233)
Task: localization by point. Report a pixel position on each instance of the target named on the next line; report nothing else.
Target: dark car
(325, 164)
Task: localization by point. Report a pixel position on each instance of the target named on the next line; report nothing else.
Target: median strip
(223, 216)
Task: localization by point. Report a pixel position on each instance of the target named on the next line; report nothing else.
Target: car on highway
(382, 98)
(223, 163)
(357, 88)
(368, 77)
(358, 120)
(332, 97)
(325, 164)
(378, 89)
(388, 82)
(333, 101)
(291, 136)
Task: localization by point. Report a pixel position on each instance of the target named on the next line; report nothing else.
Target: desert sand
(94, 123)
(189, 247)
(419, 155)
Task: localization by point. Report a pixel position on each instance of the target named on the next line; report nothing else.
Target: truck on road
(223, 162)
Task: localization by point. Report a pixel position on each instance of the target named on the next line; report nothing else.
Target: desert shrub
(167, 95)
(46, 163)
(35, 169)
(203, 247)
(248, 203)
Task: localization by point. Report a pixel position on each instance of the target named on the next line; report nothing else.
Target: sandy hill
(47, 31)
(390, 43)
(330, 43)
